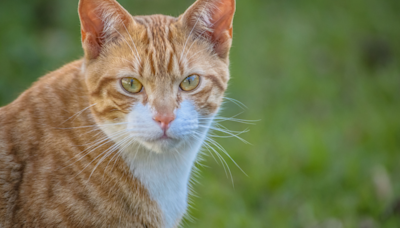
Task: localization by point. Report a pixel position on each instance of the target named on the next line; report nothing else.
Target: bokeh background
(323, 78)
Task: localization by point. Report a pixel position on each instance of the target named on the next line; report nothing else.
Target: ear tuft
(212, 19)
(100, 20)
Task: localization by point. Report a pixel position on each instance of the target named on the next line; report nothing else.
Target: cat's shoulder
(68, 70)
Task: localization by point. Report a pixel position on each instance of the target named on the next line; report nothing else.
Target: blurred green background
(322, 76)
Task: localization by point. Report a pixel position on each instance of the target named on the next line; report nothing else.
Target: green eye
(132, 85)
(190, 83)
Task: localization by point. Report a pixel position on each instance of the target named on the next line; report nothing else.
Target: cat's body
(77, 150)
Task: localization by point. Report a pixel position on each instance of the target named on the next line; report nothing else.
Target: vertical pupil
(131, 82)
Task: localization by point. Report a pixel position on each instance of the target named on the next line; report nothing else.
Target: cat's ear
(212, 19)
(100, 20)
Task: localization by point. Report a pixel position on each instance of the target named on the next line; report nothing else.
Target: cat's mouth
(161, 144)
(164, 138)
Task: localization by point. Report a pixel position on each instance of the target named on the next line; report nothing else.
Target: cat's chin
(162, 145)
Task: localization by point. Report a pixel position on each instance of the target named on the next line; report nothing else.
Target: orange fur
(48, 178)
(41, 183)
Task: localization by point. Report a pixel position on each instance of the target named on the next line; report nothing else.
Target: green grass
(323, 77)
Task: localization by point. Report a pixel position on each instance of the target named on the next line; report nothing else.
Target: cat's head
(156, 80)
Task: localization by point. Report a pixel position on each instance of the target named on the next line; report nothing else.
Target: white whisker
(191, 31)
(238, 103)
(101, 141)
(140, 59)
(94, 126)
(96, 156)
(201, 35)
(108, 152)
(137, 60)
(78, 113)
(228, 132)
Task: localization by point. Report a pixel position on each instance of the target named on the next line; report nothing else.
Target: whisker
(137, 60)
(211, 154)
(238, 103)
(227, 132)
(126, 60)
(123, 147)
(192, 56)
(232, 119)
(101, 141)
(95, 125)
(191, 31)
(78, 113)
(92, 161)
(140, 59)
(201, 33)
(99, 131)
(108, 152)
(225, 152)
(223, 162)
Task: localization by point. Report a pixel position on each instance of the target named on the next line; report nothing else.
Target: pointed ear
(100, 20)
(212, 19)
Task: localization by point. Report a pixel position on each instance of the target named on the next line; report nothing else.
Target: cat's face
(156, 80)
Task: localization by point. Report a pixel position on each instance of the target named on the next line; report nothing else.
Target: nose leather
(164, 119)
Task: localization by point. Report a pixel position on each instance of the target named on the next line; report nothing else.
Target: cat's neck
(166, 176)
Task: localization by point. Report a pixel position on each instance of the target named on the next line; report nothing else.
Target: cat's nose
(164, 120)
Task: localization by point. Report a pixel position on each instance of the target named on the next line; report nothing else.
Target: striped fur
(61, 161)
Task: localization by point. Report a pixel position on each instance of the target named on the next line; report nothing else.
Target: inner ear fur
(212, 19)
(100, 20)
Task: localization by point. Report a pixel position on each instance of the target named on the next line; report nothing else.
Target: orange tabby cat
(110, 140)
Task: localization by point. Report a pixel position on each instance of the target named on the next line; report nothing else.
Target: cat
(110, 140)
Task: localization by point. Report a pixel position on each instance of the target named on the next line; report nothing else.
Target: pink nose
(164, 120)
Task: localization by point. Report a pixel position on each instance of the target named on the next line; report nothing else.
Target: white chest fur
(164, 167)
(166, 177)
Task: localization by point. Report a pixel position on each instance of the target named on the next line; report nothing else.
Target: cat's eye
(132, 85)
(190, 83)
